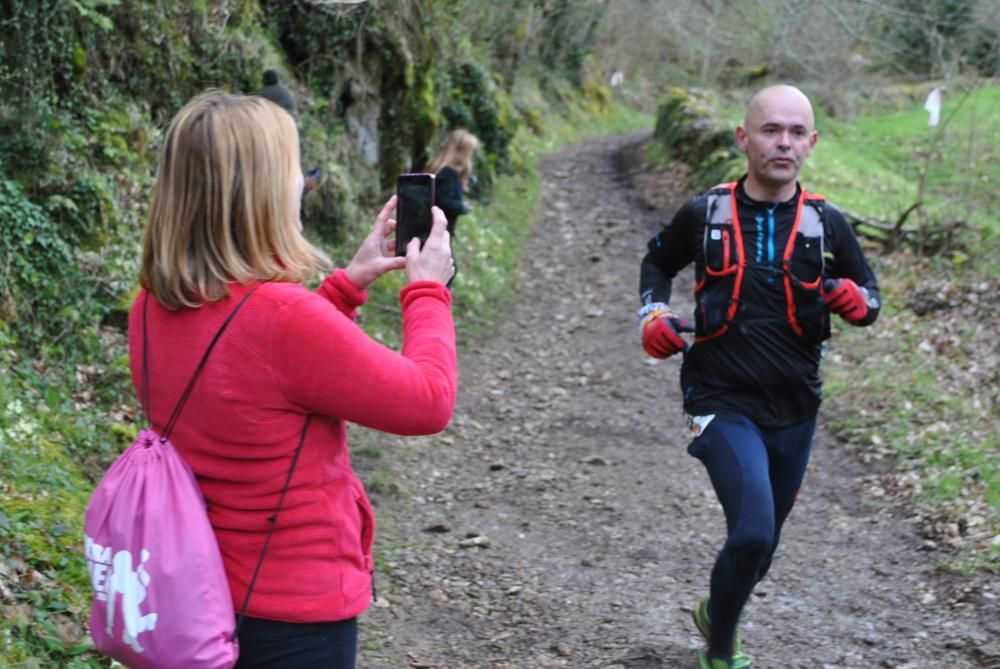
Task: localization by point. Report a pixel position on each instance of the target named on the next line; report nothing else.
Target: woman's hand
(434, 261)
(376, 255)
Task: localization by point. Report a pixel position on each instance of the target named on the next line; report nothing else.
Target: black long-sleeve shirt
(759, 367)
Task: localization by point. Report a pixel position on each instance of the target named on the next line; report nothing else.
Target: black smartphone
(414, 199)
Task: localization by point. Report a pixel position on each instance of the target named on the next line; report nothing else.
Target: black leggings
(269, 644)
(756, 474)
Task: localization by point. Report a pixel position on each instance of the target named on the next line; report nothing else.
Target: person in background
(771, 263)
(224, 221)
(278, 93)
(452, 167)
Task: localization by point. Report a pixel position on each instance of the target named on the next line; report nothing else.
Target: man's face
(777, 137)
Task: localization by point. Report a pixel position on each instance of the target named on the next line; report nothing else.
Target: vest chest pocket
(720, 253)
(805, 274)
(713, 300)
(806, 263)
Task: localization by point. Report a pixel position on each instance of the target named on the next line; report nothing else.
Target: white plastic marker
(933, 105)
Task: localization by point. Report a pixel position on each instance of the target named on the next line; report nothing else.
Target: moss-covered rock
(737, 74)
(597, 95)
(688, 130)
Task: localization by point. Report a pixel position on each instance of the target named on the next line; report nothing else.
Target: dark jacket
(759, 367)
(448, 196)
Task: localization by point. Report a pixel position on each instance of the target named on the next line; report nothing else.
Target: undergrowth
(919, 390)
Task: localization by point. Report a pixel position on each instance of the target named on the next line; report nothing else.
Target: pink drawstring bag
(161, 598)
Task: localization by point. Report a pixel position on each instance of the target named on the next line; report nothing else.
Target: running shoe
(739, 661)
(703, 622)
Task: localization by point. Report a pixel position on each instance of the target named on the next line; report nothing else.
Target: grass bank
(882, 164)
(919, 390)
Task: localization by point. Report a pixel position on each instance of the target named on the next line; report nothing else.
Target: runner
(771, 262)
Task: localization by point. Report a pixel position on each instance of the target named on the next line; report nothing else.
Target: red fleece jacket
(288, 353)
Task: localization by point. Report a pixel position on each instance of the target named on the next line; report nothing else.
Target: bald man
(772, 262)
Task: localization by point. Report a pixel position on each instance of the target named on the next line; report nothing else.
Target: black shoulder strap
(272, 522)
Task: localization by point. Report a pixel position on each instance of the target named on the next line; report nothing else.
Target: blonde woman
(224, 221)
(453, 167)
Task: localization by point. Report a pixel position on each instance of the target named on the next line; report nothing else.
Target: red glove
(844, 297)
(660, 334)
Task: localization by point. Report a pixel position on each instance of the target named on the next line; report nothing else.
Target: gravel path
(559, 522)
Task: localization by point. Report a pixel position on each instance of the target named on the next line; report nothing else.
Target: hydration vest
(717, 292)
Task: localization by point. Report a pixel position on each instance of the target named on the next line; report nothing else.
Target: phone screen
(415, 197)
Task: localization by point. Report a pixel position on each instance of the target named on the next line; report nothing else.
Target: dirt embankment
(559, 522)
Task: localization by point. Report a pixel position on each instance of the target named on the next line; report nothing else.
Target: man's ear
(741, 138)
(813, 138)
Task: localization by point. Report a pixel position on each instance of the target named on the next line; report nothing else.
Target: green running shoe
(738, 661)
(703, 622)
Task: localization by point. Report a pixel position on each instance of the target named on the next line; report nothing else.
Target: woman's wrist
(356, 277)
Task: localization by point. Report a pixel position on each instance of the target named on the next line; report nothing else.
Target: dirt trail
(559, 521)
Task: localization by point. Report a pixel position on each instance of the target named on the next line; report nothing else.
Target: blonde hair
(457, 153)
(224, 202)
